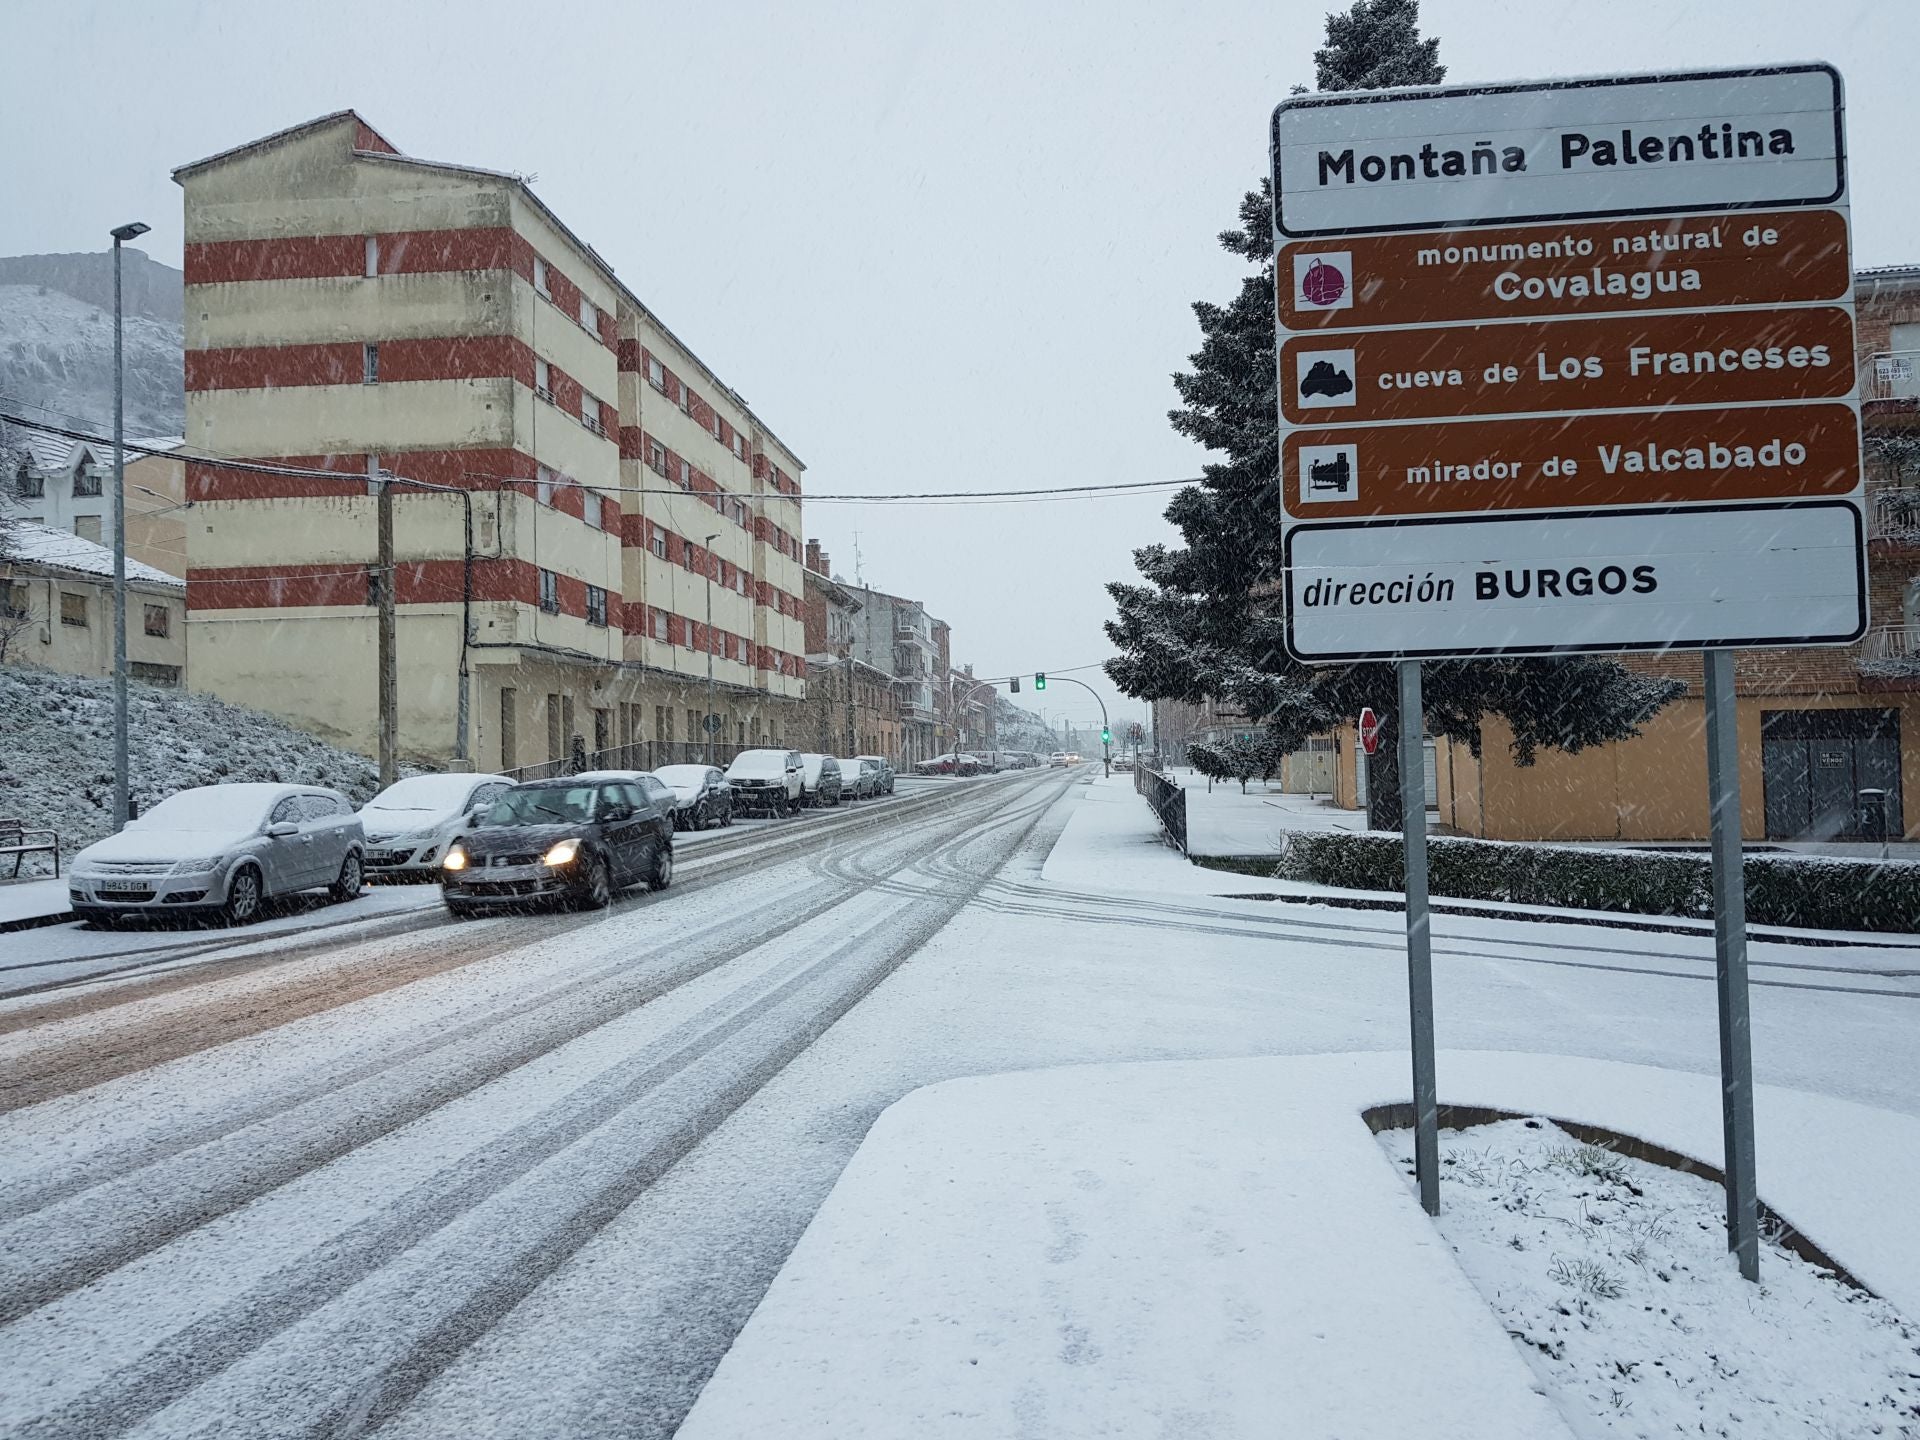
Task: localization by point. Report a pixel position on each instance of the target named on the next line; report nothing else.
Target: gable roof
(278, 137)
(42, 546)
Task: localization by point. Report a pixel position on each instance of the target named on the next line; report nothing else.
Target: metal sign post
(1730, 964)
(1413, 830)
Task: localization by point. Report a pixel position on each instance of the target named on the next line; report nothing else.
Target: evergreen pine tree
(1207, 622)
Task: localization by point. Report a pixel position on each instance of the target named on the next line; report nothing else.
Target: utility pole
(389, 655)
(708, 723)
(121, 790)
(853, 729)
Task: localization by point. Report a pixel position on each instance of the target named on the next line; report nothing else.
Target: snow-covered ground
(537, 1183)
(56, 765)
(1611, 1274)
(1220, 1248)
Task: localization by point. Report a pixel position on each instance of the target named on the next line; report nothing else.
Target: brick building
(852, 708)
(1815, 726)
(596, 491)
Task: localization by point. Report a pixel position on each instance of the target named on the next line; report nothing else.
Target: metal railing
(639, 755)
(1169, 803)
(1889, 642)
(1892, 375)
(1894, 514)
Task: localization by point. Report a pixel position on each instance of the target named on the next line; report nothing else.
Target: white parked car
(226, 849)
(769, 780)
(410, 823)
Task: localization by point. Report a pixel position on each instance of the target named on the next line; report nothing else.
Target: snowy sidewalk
(26, 903)
(1220, 1248)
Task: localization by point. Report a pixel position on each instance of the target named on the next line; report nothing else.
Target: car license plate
(122, 887)
(379, 857)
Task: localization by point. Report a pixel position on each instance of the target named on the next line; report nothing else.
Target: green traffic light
(1039, 682)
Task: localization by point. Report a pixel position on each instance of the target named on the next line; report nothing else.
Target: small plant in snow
(1594, 1160)
(1589, 1277)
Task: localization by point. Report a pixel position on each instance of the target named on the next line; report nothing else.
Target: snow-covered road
(529, 1176)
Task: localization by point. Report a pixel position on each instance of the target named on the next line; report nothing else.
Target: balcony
(1894, 515)
(1892, 375)
(1890, 653)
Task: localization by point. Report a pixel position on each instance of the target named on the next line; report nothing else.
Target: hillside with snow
(56, 342)
(56, 750)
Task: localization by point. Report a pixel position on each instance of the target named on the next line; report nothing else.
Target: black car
(561, 841)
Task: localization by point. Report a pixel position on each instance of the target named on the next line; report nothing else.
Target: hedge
(1811, 891)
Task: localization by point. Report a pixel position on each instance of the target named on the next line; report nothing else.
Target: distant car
(767, 780)
(883, 784)
(701, 795)
(820, 776)
(1060, 758)
(222, 849)
(859, 779)
(569, 840)
(967, 765)
(409, 824)
(949, 764)
(1122, 763)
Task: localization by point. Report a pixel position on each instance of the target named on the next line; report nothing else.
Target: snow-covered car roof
(221, 807)
(692, 776)
(759, 762)
(430, 792)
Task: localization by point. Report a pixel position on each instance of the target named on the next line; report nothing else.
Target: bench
(19, 840)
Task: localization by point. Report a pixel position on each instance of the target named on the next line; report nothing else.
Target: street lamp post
(707, 724)
(131, 231)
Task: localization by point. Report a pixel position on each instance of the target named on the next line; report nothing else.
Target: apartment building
(1816, 727)
(589, 524)
(895, 636)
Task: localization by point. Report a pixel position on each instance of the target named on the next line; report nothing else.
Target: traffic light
(1039, 682)
(1106, 736)
(1015, 682)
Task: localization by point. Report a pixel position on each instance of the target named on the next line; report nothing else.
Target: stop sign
(1369, 730)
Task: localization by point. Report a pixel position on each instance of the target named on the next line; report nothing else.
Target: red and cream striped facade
(352, 309)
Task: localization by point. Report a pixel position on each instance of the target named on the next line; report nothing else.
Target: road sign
(1369, 730)
(714, 724)
(1568, 366)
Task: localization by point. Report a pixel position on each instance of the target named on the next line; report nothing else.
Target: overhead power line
(916, 497)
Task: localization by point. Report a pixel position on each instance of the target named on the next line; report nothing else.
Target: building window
(657, 457)
(13, 602)
(596, 607)
(370, 364)
(660, 546)
(741, 576)
(719, 426)
(543, 486)
(590, 509)
(589, 316)
(656, 374)
(660, 625)
(373, 256)
(550, 592)
(159, 621)
(543, 380)
(86, 481)
(540, 277)
(687, 557)
(686, 476)
(686, 400)
(739, 446)
(590, 413)
(686, 637)
(27, 483)
(87, 527)
(73, 608)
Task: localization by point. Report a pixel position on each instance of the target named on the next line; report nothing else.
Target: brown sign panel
(1623, 362)
(1512, 272)
(1572, 462)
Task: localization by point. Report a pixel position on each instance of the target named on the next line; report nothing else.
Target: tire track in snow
(781, 1022)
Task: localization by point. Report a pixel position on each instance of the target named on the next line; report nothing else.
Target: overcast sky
(937, 247)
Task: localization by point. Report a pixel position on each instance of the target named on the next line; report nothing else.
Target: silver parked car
(883, 767)
(225, 849)
(410, 824)
(859, 779)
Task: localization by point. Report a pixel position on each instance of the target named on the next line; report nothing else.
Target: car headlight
(456, 859)
(200, 867)
(562, 853)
